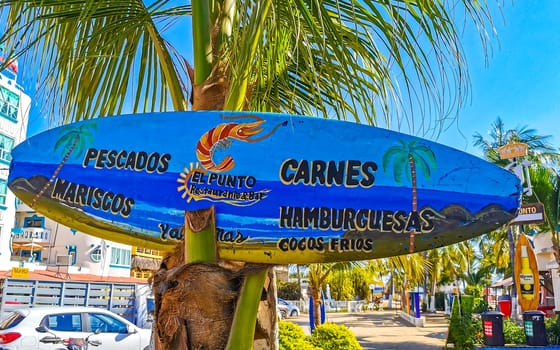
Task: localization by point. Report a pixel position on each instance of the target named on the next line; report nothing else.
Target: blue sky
(521, 82)
(518, 82)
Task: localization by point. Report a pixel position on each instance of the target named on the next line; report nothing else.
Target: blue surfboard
(286, 189)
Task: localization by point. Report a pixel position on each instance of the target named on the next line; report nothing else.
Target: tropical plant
(407, 157)
(540, 152)
(447, 265)
(329, 58)
(318, 274)
(292, 337)
(331, 336)
(289, 290)
(546, 190)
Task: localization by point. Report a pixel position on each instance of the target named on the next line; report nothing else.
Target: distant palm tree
(407, 157)
(540, 148)
(317, 276)
(447, 265)
(73, 139)
(540, 152)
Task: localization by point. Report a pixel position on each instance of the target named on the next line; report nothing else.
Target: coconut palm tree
(447, 264)
(348, 59)
(406, 158)
(546, 190)
(317, 275)
(540, 148)
(540, 151)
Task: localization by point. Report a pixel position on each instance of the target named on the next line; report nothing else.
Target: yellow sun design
(184, 178)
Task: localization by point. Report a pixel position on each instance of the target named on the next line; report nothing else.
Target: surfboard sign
(526, 274)
(286, 189)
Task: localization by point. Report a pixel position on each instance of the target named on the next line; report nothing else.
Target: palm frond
(356, 60)
(97, 58)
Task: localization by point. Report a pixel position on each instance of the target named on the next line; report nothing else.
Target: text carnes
(150, 162)
(349, 219)
(348, 173)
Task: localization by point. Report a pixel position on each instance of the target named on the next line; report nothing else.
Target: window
(12, 320)
(96, 255)
(120, 257)
(106, 324)
(64, 322)
(6, 145)
(3, 192)
(9, 104)
(72, 251)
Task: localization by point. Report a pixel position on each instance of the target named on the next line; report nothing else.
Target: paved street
(384, 330)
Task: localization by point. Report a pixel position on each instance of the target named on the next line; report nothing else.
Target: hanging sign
(513, 150)
(287, 189)
(530, 213)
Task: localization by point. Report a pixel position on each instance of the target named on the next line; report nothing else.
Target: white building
(14, 112)
(40, 243)
(27, 238)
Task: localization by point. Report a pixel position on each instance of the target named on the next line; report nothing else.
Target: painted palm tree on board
(72, 139)
(328, 58)
(407, 158)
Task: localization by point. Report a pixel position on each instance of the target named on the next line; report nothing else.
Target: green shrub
(477, 331)
(292, 337)
(461, 329)
(440, 301)
(288, 290)
(552, 326)
(480, 305)
(513, 334)
(330, 336)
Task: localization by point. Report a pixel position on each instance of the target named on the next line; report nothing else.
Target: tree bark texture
(195, 304)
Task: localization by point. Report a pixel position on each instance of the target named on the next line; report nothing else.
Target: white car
(23, 328)
(287, 309)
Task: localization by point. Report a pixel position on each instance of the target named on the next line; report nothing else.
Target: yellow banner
(20, 272)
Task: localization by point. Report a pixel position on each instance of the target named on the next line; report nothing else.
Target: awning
(27, 246)
(506, 282)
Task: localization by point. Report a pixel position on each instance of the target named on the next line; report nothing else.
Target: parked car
(23, 328)
(281, 311)
(291, 310)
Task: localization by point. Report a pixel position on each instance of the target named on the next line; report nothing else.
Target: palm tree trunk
(317, 301)
(511, 241)
(414, 201)
(202, 303)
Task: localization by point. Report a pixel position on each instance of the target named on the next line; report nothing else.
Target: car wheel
(294, 313)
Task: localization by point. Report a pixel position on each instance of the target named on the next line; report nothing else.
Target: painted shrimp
(221, 138)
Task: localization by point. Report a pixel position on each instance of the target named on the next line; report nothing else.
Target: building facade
(14, 114)
(29, 239)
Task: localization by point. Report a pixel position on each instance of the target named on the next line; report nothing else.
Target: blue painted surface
(286, 189)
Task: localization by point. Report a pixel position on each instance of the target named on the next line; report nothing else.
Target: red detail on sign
(488, 328)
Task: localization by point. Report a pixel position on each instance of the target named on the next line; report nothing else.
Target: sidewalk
(385, 330)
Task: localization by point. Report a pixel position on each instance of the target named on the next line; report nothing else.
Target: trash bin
(504, 304)
(493, 325)
(535, 330)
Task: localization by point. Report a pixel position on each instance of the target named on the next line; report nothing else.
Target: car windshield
(12, 320)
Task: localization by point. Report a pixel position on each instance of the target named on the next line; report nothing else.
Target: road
(385, 330)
